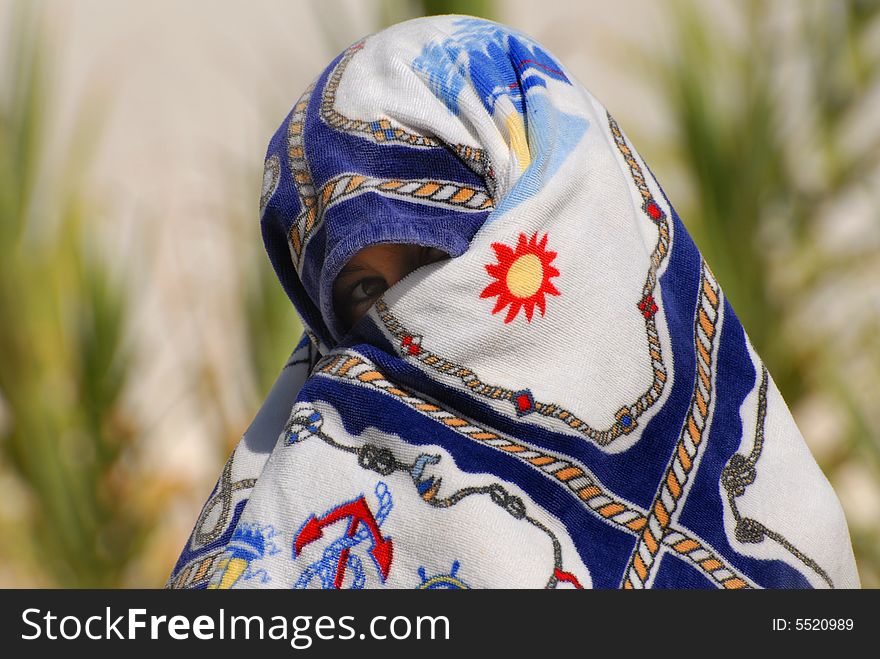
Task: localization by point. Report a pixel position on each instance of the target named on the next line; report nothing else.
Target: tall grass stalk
(64, 363)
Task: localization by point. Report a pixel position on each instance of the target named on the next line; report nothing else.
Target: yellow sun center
(525, 276)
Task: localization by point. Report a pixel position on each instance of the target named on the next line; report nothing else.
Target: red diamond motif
(648, 307)
(411, 343)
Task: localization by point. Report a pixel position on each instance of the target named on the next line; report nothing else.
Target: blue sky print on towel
(473, 51)
(539, 135)
(338, 566)
(249, 543)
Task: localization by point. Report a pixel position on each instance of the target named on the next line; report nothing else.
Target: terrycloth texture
(570, 401)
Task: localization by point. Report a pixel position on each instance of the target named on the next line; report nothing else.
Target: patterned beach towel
(567, 402)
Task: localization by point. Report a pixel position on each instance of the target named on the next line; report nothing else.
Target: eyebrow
(351, 269)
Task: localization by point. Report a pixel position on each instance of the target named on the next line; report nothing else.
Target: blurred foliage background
(768, 142)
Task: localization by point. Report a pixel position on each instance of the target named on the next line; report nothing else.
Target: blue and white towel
(568, 402)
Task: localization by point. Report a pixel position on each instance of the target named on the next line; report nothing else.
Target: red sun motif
(522, 276)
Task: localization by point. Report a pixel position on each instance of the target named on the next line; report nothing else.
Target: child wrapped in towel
(517, 369)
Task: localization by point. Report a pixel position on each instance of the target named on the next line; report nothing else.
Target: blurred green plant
(273, 327)
(65, 362)
(769, 152)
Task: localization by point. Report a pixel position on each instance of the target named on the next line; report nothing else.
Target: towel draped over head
(569, 401)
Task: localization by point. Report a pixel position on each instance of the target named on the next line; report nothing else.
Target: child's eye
(367, 289)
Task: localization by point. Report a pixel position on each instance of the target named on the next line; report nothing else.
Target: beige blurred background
(140, 322)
